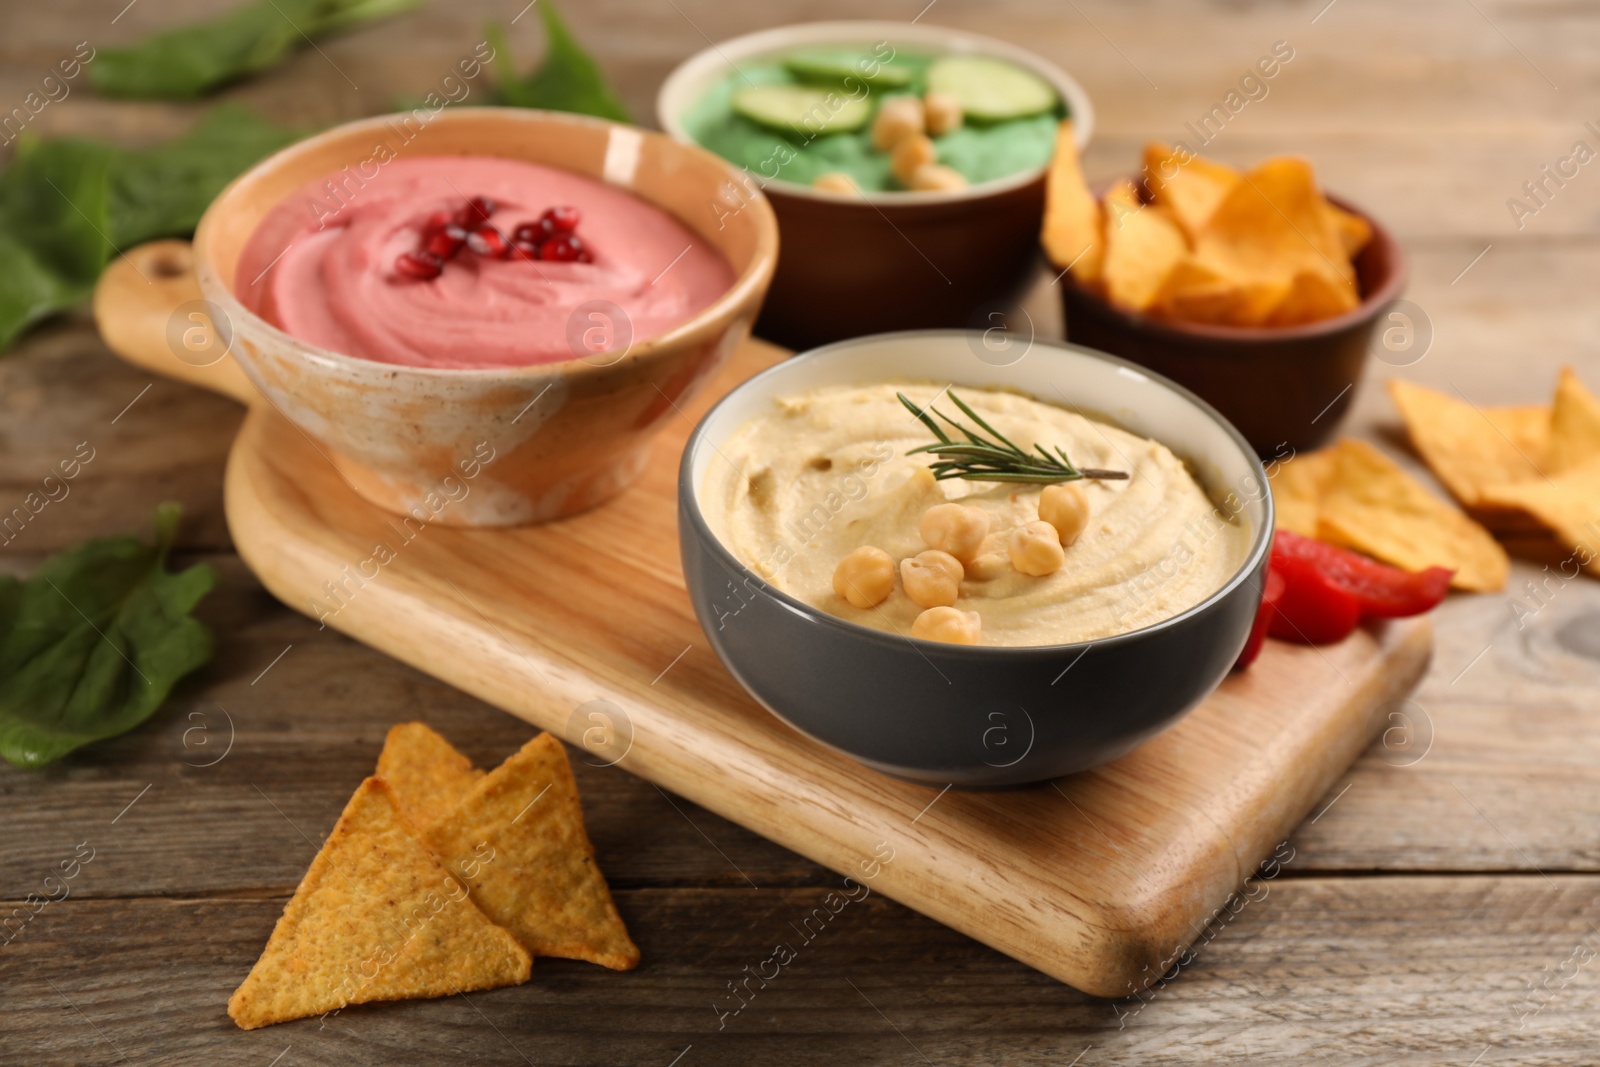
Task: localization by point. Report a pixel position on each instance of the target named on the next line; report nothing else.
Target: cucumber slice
(806, 110)
(834, 65)
(991, 90)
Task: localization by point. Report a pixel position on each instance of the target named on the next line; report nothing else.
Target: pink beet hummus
(321, 267)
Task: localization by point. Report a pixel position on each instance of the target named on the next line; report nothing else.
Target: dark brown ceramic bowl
(1284, 388)
(887, 261)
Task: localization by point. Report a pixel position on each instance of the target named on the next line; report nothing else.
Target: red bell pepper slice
(1271, 593)
(1317, 593)
(1314, 609)
(1382, 591)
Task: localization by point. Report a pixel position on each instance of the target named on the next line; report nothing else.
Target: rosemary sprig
(981, 459)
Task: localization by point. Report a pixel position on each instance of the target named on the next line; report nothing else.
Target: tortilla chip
(428, 775)
(1193, 292)
(1187, 185)
(1568, 503)
(1353, 230)
(1470, 448)
(519, 843)
(1074, 231)
(1297, 488)
(1574, 425)
(375, 918)
(1272, 225)
(1374, 507)
(1143, 245)
(1312, 296)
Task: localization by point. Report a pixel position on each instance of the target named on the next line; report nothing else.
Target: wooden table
(1439, 908)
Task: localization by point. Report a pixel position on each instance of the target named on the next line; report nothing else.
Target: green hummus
(979, 151)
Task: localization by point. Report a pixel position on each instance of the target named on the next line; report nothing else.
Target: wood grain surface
(1436, 895)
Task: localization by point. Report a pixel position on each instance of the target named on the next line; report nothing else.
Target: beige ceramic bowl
(563, 436)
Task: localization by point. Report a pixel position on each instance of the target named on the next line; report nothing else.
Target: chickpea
(956, 529)
(935, 177)
(899, 117)
(948, 625)
(943, 113)
(1036, 549)
(988, 566)
(1066, 507)
(932, 579)
(912, 152)
(865, 577)
(836, 181)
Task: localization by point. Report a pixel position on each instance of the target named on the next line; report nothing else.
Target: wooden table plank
(1398, 970)
(138, 440)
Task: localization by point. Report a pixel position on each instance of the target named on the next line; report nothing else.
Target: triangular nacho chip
(428, 775)
(1143, 245)
(1297, 487)
(1375, 507)
(1074, 231)
(1313, 295)
(519, 843)
(375, 918)
(1568, 503)
(1187, 185)
(1193, 292)
(1574, 425)
(1272, 224)
(1353, 230)
(1470, 447)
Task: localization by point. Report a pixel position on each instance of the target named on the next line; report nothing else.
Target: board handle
(150, 312)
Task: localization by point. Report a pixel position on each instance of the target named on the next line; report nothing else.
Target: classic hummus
(322, 267)
(795, 490)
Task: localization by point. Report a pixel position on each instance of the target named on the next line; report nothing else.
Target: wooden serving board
(1099, 880)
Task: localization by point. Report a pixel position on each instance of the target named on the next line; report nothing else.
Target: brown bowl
(885, 261)
(851, 269)
(1283, 387)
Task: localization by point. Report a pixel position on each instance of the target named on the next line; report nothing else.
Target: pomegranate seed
(526, 250)
(564, 248)
(476, 213)
(561, 219)
(421, 266)
(446, 241)
(488, 242)
(584, 256)
(435, 222)
(532, 232)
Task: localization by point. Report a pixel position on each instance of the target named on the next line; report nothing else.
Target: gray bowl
(977, 716)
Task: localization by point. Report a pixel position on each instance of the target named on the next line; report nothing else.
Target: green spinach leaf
(568, 80)
(53, 201)
(196, 59)
(29, 290)
(67, 205)
(93, 642)
(163, 191)
(53, 223)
